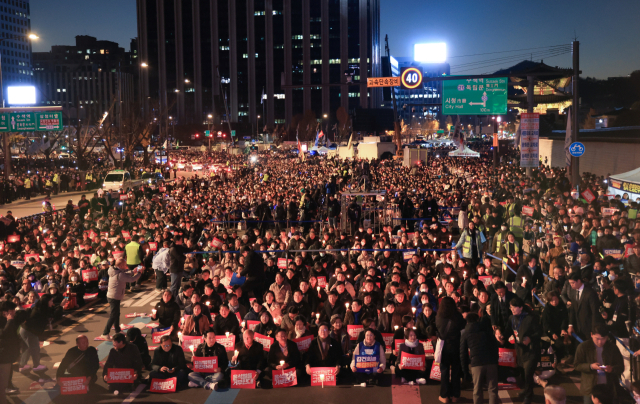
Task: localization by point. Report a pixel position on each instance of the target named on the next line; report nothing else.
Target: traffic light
(197, 136)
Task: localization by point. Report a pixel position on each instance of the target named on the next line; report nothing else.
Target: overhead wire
(514, 50)
(501, 61)
(517, 56)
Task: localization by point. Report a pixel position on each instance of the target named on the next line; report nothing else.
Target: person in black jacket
(37, 319)
(584, 310)
(176, 264)
(167, 312)
(449, 323)
(168, 361)
(9, 345)
(324, 351)
(284, 350)
(529, 279)
(226, 322)
(479, 349)
(134, 336)
(523, 329)
(123, 355)
(249, 355)
(80, 360)
(499, 305)
(555, 317)
(254, 272)
(208, 349)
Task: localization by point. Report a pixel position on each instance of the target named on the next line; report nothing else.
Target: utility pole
(396, 124)
(575, 161)
(530, 106)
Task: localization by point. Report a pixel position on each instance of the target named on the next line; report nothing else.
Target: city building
(84, 78)
(269, 58)
(15, 46)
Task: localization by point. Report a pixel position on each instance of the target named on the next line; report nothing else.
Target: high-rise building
(86, 79)
(269, 58)
(15, 46)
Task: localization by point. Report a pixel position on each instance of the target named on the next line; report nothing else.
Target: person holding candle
(210, 348)
(197, 323)
(413, 346)
(249, 355)
(266, 326)
(167, 312)
(369, 360)
(324, 351)
(226, 322)
(283, 355)
(529, 279)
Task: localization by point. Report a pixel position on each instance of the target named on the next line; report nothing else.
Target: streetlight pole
(209, 117)
(258, 128)
(5, 135)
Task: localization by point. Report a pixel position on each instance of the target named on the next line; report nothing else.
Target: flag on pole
(164, 146)
(349, 145)
(567, 141)
(518, 133)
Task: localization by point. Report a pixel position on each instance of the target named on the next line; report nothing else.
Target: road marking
(222, 397)
(147, 300)
(134, 394)
(505, 398)
(133, 299)
(79, 322)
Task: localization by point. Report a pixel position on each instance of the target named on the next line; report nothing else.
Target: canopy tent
(628, 183)
(465, 152)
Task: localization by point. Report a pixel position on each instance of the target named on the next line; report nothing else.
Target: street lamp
(5, 135)
(187, 81)
(209, 118)
(143, 64)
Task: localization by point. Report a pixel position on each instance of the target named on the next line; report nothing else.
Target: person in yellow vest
(27, 187)
(135, 254)
(499, 238)
(56, 184)
(472, 243)
(265, 178)
(510, 253)
(516, 226)
(88, 179)
(48, 185)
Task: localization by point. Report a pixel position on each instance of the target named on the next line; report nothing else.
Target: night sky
(608, 31)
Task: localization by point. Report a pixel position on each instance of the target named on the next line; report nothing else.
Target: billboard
(21, 95)
(430, 52)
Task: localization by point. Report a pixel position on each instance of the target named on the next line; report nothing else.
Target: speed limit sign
(411, 78)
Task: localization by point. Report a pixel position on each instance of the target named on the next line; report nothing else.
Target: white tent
(466, 152)
(628, 183)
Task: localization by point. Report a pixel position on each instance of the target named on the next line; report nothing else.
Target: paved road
(91, 320)
(22, 207)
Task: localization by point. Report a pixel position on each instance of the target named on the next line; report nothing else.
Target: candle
(317, 315)
(154, 311)
(318, 289)
(524, 279)
(347, 305)
(395, 327)
(191, 348)
(242, 324)
(207, 303)
(227, 334)
(235, 353)
(452, 279)
(384, 310)
(281, 363)
(179, 334)
(439, 290)
(413, 309)
(322, 379)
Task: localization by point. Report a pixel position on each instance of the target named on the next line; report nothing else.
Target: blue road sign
(576, 149)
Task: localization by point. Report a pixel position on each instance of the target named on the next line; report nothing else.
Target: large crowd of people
(457, 272)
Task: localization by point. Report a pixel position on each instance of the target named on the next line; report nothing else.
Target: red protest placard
(35, 256)
(283, 262)
(588, 195)
(428, 348)
(228, 343)
(153, 246)
(125, 234)
(189, 341)
(388, 341)
(252, 324)
(158, 333)
(264, 340)
(72, 385)
(243, 379)
(13, 238)
(485, 279)
(396, 344)
(322, 281)
(413, 362)
(239, 317)
(124, 197)
(90, 296)
(527, 210)
(354, 331)
(507, 357)
(90, 275)
(206, 364)
(304, 343)
(216, 243)
(163, 385)
(284, 378)
(323, 377)
(435, 372)
(120, 375)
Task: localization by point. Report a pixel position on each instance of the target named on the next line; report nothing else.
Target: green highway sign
(207, 133)
(486, 96)
(30, 121)
(233, 133)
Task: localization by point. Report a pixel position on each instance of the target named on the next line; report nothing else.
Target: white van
(117, 180)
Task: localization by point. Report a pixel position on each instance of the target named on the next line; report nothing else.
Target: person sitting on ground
(197, 323)
(283, 355)
(369, 360)
(266, 327)
(226, 322)
(168, 361)
(167, 312)
(134, 336)
(80, 360)
(249, 355)
(208, 349)
(324, 351)
(123, 355)
(412, 346)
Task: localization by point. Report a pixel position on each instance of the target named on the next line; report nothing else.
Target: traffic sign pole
(575, 162)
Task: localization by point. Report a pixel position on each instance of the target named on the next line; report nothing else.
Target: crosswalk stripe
(133, 299)
(505, 398)
(147, 300)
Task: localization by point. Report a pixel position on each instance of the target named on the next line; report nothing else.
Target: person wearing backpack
(161, 266)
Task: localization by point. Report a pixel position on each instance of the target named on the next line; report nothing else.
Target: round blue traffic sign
(576, 149)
